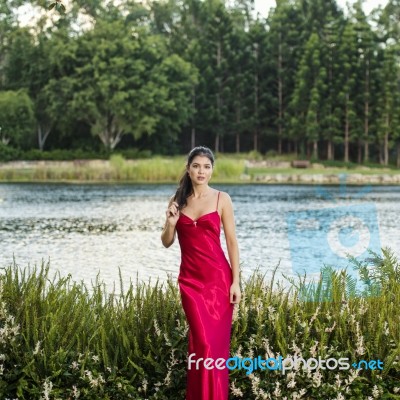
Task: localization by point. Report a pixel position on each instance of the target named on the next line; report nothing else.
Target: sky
(262, 6)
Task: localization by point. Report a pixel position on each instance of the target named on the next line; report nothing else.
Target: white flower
(156, 328)
(236, 391)
(386, 328)
(277, 391)
(74, 365)
(376, 392)
(47, 386)
(75, 392)
(37, 348)
(331, 328)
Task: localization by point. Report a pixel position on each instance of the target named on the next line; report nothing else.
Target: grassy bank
(58, 339)
(117, 169)
(228, 169)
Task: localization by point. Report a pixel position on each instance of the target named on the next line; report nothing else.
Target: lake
(98, 228)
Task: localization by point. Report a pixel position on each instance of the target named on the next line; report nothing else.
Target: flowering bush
(60, 340)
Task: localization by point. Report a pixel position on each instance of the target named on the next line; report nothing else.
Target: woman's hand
(172, 213)
(235, 293)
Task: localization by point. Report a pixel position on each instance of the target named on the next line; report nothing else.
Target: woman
(209, 286)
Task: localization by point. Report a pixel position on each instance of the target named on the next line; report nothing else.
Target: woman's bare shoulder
(224, 196)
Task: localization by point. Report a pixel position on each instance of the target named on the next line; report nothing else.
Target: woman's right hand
(172, 213)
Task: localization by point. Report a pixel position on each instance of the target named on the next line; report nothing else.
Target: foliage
(308, 80)
(60, 338)
(16, 118)
(8, 153)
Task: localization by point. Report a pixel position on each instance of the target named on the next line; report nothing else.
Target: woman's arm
(228, 221)
(168, 233)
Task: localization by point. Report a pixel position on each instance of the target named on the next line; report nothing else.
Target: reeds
(118, 169)
(60, 339)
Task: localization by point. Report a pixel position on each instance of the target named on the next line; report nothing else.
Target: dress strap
(218, 200)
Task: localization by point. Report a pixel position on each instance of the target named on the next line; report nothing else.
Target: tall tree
(308, 94)
(123, 81)
(284, 50)
(388, 104)
(367, 68)
(347, 90)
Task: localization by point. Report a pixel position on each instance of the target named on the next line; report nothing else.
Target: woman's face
(200, 170)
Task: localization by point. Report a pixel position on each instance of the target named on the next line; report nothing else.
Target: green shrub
(8, 153)
(62, 337)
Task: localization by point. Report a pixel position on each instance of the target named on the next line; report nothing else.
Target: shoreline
(146, 172)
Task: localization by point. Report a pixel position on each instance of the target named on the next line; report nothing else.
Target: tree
(367, 75)
(284, 45)
(122, 81)
(347, 79)
(308, 94)
(388, 104)
(29, 67)
(16, 118)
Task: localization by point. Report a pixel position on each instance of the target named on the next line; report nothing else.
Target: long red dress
(204, 281)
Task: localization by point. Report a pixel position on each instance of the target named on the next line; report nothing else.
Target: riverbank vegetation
(60, 339)
(229, 168)
(164, 76)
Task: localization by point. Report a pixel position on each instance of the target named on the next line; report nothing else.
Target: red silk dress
(204, 281)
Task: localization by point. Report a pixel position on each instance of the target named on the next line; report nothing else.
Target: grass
(60, 339)
(156, 169)
(229, 168)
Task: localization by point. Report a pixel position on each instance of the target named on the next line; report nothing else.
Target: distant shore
(167, 170)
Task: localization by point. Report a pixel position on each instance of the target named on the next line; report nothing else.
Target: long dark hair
(185, 188)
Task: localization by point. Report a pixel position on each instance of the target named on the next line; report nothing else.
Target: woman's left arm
(228, 221)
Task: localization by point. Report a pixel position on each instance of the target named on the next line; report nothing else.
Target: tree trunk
(386, 149)
(238, 120)
(256, 89)
(219, 97)
(111, 134)
(366, 150)
(193, 133)
(193, 137)
(280, 97)
(366, 114)
(329, 150)
(43, 133)
(359, 151)
(216, 143)
(398, 155)
(346, 131)
(315, 149)
(386, 140)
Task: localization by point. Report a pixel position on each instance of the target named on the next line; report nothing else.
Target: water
(85, 230)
